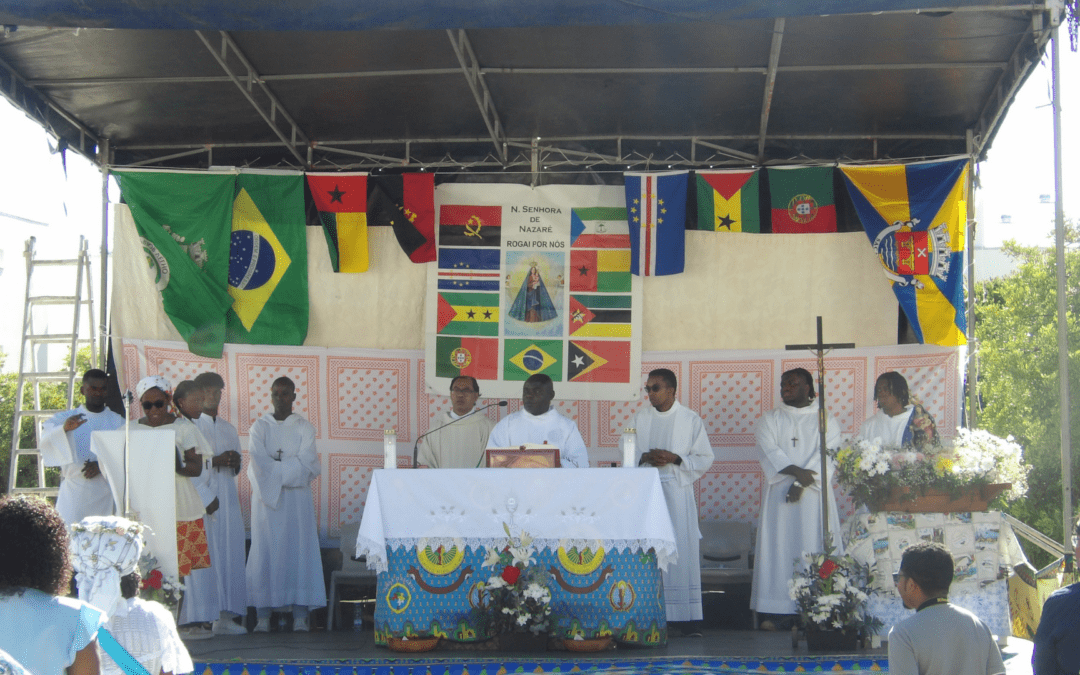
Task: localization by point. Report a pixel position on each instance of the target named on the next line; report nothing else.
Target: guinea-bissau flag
(341, 200)
(464, 225)
(406, 203)
(468, 314)
(802, 199)
(727, 201)
(600, 315)
(525, 358)
(600, 271)
(474, 356)
(598, 361)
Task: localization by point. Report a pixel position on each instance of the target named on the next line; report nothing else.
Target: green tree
(1016, 326)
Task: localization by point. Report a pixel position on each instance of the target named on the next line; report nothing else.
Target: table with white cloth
(604, 534)
(984, 549)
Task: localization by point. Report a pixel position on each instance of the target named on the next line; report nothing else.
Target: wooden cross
(819, 348)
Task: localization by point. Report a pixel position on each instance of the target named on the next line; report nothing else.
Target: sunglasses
(655, 388)
(896, 577)
(147, 405)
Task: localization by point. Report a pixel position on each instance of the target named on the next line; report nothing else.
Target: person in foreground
(1057, 640)
(45, 632)
(941, 639)
(672, 438)
(539, 423)
(461, 444)
(105, 552)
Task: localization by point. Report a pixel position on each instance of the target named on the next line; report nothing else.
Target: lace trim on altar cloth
(376, 557)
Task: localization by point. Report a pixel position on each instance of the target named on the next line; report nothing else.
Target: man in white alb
(539, 423)
(788, 441)
(672, 438)
(284, 568)
(65, 443)
(461, 444)
(898, 422)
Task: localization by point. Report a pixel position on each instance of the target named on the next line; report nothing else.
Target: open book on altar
(528, 456)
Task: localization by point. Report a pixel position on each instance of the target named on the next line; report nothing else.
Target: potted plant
(519, 595)
(830, 592)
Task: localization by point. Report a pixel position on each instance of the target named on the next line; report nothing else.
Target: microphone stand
(416, 445)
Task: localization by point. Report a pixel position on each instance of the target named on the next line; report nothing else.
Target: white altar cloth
(617, 509)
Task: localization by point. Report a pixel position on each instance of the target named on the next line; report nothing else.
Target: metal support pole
(973, 344)
(103, 327)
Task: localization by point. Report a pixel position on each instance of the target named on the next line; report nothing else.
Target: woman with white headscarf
(105, 553)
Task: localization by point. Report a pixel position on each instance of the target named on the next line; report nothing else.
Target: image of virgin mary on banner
(533, 304)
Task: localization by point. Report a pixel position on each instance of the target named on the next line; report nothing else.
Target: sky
(1019, 169)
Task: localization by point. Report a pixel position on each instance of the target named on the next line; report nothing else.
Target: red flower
(827, 568)
(154, 580)
(510, 574)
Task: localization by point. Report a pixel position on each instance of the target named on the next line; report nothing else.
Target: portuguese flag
(478, 357)
(600, 271)
(727, 201)
(802, 199)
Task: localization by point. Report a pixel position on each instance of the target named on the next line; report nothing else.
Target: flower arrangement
(520, 598)
(156, 586)
(870, 470)
(830, 594)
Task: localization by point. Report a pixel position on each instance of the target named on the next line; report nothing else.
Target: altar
(604, 534)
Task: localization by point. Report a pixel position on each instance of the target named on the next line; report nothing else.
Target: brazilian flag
(524, 358)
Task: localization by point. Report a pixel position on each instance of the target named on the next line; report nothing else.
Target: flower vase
(973, 498)
(523, 642)
(837, 641)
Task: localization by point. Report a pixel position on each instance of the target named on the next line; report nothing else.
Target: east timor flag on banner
(598, 361)
(603, 271)
(802, 199)
(600, 315)
(656, 212)
(341, 200)
(525, 358)
(727, 201)
(406, 203)
(915, 216)
(268, 277)
(599, 227)
(477, 357)
(470, 225)
(468, 314)
(183, 220)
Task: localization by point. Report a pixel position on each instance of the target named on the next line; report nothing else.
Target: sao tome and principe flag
(525, 358)
(468, 314)
(802, 199)
(600, 315)
(461, 225)
(656, 213)
(603, 270)
(598, 361)
(341, 200)
(727, 201)
(599, 227)
(476, 357)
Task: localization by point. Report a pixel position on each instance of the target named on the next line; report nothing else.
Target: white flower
(495, 581)
(522, 554)
(522, 620)
(492, 558)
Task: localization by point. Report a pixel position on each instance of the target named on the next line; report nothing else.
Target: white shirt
(551, 428)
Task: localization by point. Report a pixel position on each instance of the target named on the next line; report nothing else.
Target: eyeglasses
(896, 578)
(147, 405)
(463, 391)
(655, 388)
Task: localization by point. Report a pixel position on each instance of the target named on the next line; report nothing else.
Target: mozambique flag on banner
(915, 216)
(470, 226)
(598, 361)
(802, 199)
(468, 314)
(603, 271)
(406, 203)
(478, 357)
(600, 315)
(268, 277)
(599, 227)
(183, 220)
(727, 201)
(524, 358)
(656, 212)
(341, 200)
(473, 269)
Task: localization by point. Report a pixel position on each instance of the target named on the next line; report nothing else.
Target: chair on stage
(725, 555)
(353, 572)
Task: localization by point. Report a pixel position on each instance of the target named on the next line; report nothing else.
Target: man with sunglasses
(65, 443)
(672, 438)
(461, 444)
(539, 423)
(1057, 640)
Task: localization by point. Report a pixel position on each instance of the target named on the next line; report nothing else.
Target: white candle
(628, 447)
(390, 449)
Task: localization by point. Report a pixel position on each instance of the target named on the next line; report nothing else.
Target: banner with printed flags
(656, 213)
(727, 201)
(341, 200)
(802, 199)
(915, 216)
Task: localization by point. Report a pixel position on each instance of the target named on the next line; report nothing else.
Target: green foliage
(1016, 327)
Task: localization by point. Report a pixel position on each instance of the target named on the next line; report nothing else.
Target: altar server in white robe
(672, 438)
(219, 594)
(284, 568)
(788, 441)
(898, 422)
(461, 444)
(65, 443)
(539, 423)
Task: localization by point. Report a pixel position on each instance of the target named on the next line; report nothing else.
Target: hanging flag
(603, 271)
(477, 357)
(341, 200)
(598, 361)
(183, 222)
(525, 358)
(600, 315)
(802, 199)
(656, 212)
(268, 261)
(470, 225)
(915, 217)
(468, 314)
(473, 269)
(727, 201)
(599, 227)
(406, 203)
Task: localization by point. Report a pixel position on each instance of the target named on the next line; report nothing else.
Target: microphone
(416, 445)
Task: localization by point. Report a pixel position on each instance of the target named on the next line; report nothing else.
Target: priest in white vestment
(541, 424)
(65, 443)
(898, 422)
(284, 568)
(672, 438)
(460, 445)
(788, 441)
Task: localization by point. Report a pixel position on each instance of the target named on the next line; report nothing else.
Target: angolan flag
(470, 225)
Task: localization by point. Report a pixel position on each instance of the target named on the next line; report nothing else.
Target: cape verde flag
(656, 212)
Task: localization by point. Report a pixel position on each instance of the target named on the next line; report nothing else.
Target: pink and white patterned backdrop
(352, 395)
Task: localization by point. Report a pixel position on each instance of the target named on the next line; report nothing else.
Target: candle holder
(628, 443)
(390, 449)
